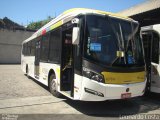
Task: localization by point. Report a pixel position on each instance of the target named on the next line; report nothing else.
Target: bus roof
(68, 15)
(155, 27)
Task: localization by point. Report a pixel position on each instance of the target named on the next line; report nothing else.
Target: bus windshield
(107, 37)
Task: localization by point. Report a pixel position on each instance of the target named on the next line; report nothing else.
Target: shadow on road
(37, 82)
(116, 108)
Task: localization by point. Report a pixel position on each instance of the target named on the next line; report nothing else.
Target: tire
(27, 72)
(53, 86)
(147, 91)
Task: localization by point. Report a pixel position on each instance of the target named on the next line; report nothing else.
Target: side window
(33, 47)
(45, 47)
(25, 49)
(55, 46)
(29, 48)
(155, 48)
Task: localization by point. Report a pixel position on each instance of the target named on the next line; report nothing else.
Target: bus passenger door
(155, 67)
(67, 68)
(151, 49)
(37, 58)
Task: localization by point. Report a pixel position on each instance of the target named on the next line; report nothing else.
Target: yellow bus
(87, 55)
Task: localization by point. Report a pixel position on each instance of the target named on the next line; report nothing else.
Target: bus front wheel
(53, 86)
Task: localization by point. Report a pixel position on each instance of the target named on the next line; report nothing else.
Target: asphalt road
(29, 100)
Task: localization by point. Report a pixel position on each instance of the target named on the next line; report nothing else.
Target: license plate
(125, 95)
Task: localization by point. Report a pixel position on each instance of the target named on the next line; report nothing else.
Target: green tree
(37, 25)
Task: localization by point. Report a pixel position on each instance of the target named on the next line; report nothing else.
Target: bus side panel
(77, 86)
(28, 60)
(31, 60)
(44, 72)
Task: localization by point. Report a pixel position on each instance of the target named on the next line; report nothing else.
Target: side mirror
(75, 36)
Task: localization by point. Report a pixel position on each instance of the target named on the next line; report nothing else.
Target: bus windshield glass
(113, 42)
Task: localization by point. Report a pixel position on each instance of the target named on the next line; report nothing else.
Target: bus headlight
(93, 75)
(98, 78)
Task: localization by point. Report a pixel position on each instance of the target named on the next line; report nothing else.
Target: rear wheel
(53, 86)
(27, 71)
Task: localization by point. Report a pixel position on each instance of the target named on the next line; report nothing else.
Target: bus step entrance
(66, 80)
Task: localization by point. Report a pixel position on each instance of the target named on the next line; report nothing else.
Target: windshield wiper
(122, 39)
(120, 42)
(131, 38)
(116, 34)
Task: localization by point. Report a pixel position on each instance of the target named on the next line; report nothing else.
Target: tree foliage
(39, 24)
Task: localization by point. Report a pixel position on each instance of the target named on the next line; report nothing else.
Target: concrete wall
(10, 45)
